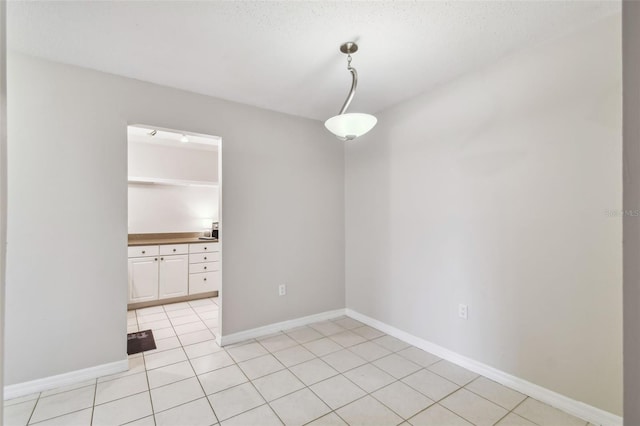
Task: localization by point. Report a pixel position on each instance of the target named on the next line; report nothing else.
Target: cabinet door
(204, 282)
(143, 279)
(174, 273)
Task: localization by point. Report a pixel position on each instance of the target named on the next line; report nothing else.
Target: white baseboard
(278, 326)
(77, 376)
(571, 406)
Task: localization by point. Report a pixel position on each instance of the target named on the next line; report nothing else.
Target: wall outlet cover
(463, 311)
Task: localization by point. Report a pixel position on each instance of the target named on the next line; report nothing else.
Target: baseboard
(279, 326)
(571, 406)
(160, 302)
(77, 376)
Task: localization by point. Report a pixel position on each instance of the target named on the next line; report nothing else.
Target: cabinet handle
(174, 249)
(205, 258)
(143, 252)
(205, 267)
(205, 278)
(156, 259)
(162, 258)
(205, 248)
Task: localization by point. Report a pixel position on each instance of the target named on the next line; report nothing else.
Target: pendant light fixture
(349, 126)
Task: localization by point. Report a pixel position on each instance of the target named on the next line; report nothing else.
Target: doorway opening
(174, 229)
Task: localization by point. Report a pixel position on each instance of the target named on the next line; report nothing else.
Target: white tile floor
(329, 373)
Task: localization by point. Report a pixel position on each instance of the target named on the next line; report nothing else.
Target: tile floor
(329, 373)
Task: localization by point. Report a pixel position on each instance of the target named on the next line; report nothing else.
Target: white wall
(283, 201)
(631, 70)
(492, 191)
(3, 183)
(159, 208)
(171, 208)
(158, 161)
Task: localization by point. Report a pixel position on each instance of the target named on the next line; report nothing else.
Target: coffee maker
(214, 230)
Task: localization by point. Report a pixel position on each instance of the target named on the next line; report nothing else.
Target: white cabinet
(174, 249)
(165, 271)
(143, 279)
(143, 251)
(173, 280)
(204, 267)
(203, 282)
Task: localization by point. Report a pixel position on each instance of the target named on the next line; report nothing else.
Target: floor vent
(140, 341)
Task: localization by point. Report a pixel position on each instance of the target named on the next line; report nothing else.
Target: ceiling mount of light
(349, 126)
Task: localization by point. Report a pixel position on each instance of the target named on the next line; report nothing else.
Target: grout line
(520, 415)
(453, 412)
(268, 403)
(95, 394)
(288, 368)
(118, 399)
(215, 416)
(254, 385)
(328, 378)
(275, 372)
(487, 399)
(500, 419)
(146, 372)
(58, 416)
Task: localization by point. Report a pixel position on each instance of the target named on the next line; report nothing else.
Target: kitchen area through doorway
(174, 248)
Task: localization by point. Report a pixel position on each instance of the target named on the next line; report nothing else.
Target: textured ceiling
(284, 55)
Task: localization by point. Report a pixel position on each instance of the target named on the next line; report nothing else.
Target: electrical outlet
(282, 290)
(463, 311)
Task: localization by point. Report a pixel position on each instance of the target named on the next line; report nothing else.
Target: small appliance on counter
(213, 235)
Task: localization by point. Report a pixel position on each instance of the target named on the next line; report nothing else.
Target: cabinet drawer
(203, 282)
(204, 257)
(174, 249)
(142, 251)
(204, 247)
(195, 268)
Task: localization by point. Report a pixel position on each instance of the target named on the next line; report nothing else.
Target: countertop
(168, 238)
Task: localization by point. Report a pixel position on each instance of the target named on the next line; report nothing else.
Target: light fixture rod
(352, 92)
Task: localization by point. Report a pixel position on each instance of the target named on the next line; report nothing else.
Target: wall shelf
(174, 182)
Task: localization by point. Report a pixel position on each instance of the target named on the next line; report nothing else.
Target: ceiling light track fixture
(349, 126)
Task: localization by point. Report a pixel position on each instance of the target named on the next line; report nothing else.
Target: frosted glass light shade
(350, 126)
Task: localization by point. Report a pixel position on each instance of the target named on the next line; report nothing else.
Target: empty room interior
(323, 213)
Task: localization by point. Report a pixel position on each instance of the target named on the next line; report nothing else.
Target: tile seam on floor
(120, 398)
(435, 400)
(480, 396)
(485, 398)
(217, 318)
(525, 417)
(61, 415)
(288, 368)
(69, 390)
(339, 373)
(33, 410)
(95, 395)
(398, 414)
(144, 362)
(252, 384)
(215, 416)
(496, 403)
(195, 375)
(294, 375)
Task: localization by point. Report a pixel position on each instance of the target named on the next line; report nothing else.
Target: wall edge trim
(252, 333)
(65, 379)
(577, 408)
